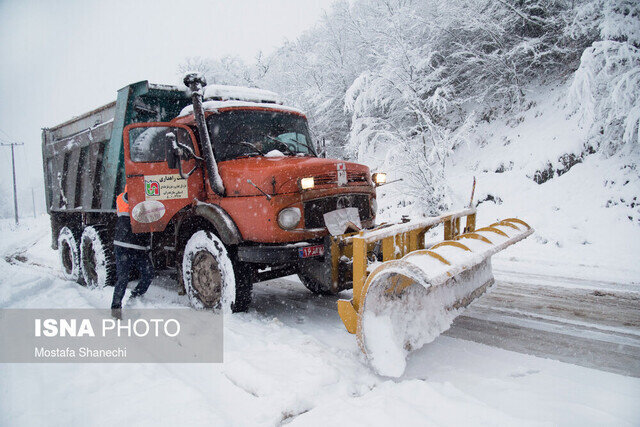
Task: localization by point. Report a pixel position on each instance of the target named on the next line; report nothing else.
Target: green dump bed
(84, 157)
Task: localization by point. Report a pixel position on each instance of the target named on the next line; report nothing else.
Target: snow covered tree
(228, 70)
(315, 71)
(606, 86)
(399, 84)
(399, 105)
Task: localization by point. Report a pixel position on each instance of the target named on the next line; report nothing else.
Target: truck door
(158, 180)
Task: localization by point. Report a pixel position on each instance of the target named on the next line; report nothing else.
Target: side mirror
(170, 149)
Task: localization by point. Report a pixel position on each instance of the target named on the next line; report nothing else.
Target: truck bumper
(283, 260)
(277, 254)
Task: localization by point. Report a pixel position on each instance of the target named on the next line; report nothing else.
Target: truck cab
(270, 215)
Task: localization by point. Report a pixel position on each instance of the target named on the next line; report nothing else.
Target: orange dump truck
(254, 185)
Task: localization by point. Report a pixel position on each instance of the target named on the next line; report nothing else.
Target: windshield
(239, 133)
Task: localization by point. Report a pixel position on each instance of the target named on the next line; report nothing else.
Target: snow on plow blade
(405, 303)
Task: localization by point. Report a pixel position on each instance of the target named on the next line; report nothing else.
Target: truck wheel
(207, 272)
(69, 255)
(315, 286)
(96, 258)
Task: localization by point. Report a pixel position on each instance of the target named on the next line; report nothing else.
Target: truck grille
(332, 178)
(315, 209)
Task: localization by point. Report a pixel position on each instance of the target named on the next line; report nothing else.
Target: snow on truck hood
(277, 175)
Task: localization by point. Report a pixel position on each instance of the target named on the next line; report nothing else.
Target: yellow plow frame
(400, 240)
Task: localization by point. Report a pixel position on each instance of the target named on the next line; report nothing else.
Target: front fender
(223, 223)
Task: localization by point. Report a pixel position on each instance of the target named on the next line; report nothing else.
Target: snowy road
(587, 323)
(290, 360)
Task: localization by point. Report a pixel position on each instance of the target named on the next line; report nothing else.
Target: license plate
(311, 251)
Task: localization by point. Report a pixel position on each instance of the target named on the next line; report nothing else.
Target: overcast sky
(59, 59)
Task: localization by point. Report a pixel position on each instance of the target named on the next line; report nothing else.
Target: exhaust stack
(196, 82)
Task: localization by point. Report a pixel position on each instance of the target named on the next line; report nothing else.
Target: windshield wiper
(250, 145)
(305, 144)
(294, 142)
(281, 144)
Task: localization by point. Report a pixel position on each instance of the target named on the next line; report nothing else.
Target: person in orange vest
(132, 251)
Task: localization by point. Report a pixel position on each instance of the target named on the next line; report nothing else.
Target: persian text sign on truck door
(165, 187)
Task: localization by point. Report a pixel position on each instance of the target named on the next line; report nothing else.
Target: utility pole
(33, 201)
(13, 165)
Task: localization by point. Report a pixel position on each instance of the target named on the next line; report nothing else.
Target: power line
(7, 135)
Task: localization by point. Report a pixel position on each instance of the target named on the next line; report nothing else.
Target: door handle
(134, 176)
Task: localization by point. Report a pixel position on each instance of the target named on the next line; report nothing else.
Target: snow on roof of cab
(223, 96)
(239, 93)
(216, 105)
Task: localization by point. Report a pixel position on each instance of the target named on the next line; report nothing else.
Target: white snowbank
(587, 221)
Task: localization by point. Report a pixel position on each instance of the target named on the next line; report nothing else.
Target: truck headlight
(379, 178)
(307, 183)
(288, 218)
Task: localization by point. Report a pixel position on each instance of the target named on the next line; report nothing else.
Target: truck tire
(209, 277)
(96, 258)
(69, 253)
(314, 286)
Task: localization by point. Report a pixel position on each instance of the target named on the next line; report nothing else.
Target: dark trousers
(126, 260)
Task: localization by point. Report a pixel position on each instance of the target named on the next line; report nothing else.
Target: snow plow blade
(415, 293)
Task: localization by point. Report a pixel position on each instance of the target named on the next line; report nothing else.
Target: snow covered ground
(289, 360)
(587, 217)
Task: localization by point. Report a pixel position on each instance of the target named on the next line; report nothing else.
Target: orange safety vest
(122, 203)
